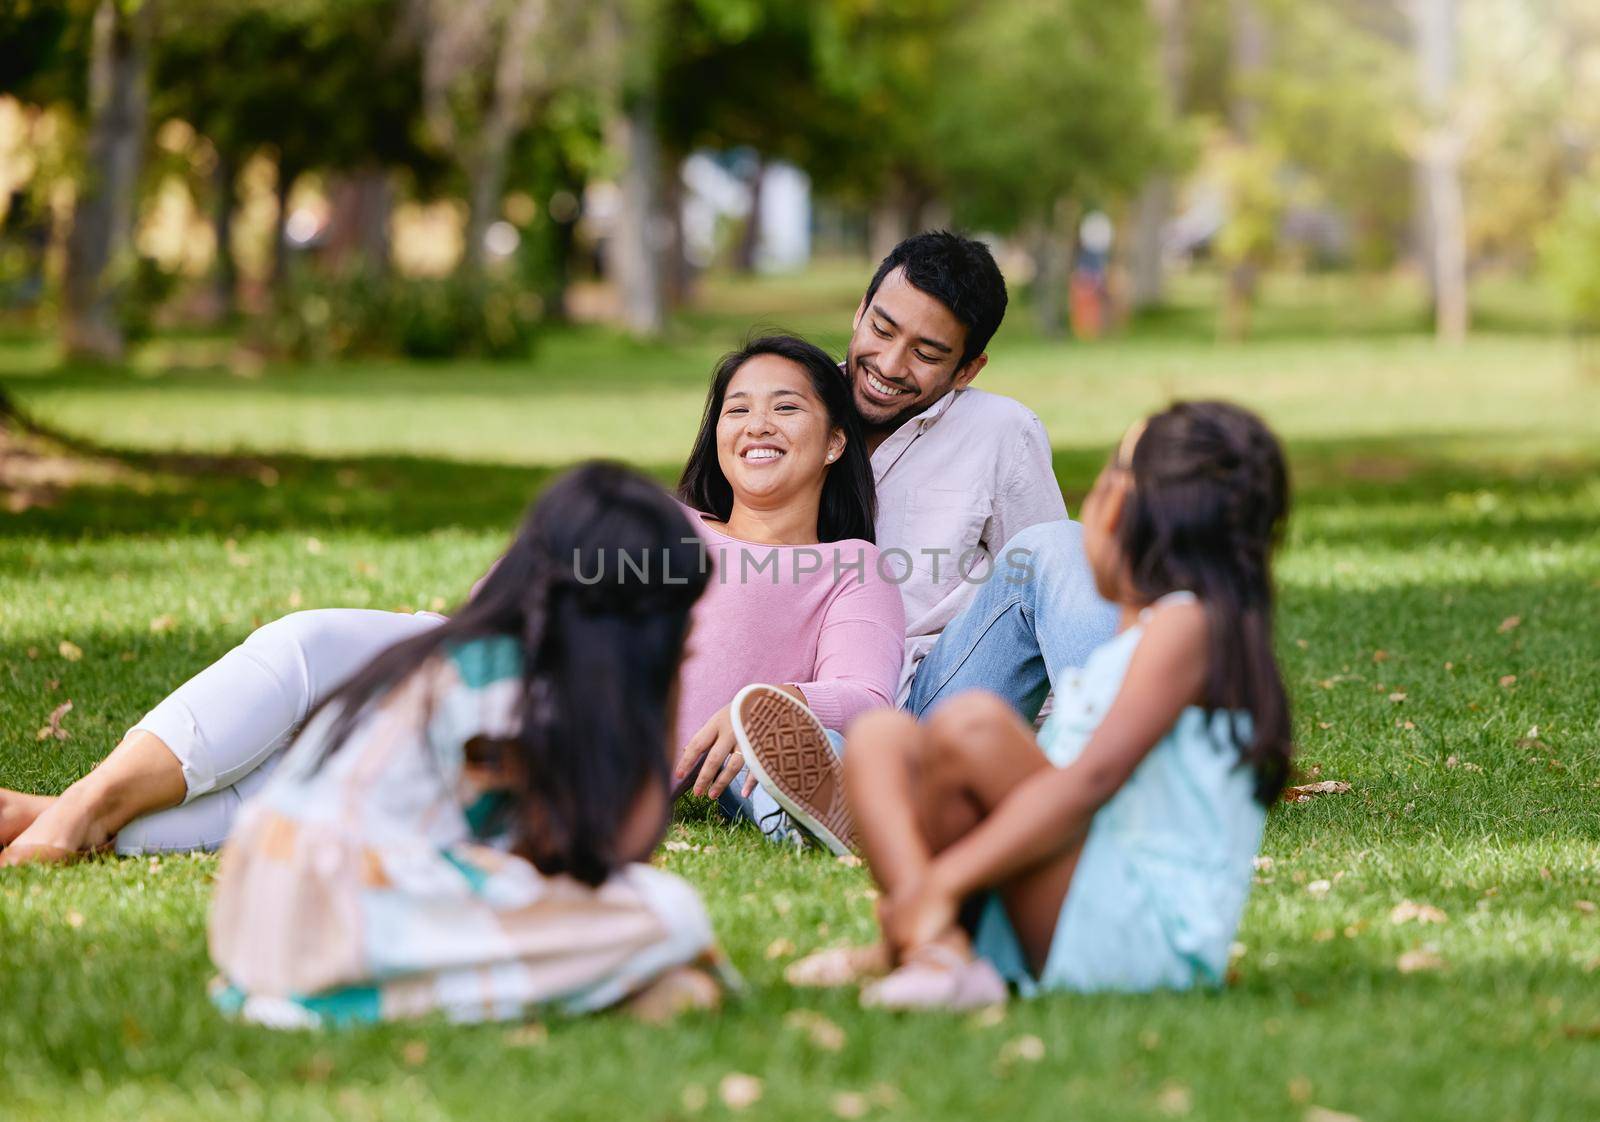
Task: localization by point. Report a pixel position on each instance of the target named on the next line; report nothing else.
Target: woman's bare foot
(17, 812)
(139, 776)
(839, 966)
(677, 991)
(65, 830)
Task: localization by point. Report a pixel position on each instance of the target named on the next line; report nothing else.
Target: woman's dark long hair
(1207, 507)
(596, 589)
(849, 495)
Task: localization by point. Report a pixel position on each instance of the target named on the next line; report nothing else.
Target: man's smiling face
(905, 353)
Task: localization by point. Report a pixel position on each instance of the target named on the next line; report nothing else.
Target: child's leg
(914, 790)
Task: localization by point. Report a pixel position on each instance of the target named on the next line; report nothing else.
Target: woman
(781, 486)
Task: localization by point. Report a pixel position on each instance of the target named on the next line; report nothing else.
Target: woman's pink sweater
(821, 617)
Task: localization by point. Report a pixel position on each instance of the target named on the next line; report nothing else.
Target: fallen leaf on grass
(1585, 906)
(53, 730)
(69, 650)
(1027, 1049)
(1581, 1032)
(1380, 656)
(1320, 887)
(162, 623)
(414, 1053)
(738, 1090)
(1397, 696)
(1175, 1100)
(1299, 1089)
(1323, 1114)
(1507, 681)
(1308, 791)
(530, 1035)
(1414, 962)
(780, 948)
(818, 1029)
(850, 1104)
(74, 919)
(1409, 911)
(1510, 623)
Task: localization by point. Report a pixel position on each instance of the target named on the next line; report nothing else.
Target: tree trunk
(679, 274)
(225, 269)
(100, 247)
(636, 238)
(1146, 252)
(508, 113)
(1439, 167)
(891, 219)
(1238, 302)
(358, 230)
(1248, 59)
(750, 237)
(279, 280)
(1147, 264)
(1050, 249)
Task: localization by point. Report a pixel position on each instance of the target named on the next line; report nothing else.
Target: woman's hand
(918, 914)
(724, 761)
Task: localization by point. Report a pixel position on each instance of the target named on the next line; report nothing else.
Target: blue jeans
(1017, 635)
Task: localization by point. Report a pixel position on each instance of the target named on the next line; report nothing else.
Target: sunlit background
(329, 178)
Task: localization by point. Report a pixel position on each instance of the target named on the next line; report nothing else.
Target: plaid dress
(376, 882)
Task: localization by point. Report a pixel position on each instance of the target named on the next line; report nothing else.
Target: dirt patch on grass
(36, 469)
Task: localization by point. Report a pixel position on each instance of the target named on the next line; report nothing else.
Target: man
(997, 593)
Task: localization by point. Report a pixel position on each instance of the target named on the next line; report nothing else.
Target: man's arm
(1029, 493)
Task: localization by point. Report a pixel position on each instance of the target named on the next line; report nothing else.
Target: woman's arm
(860, 646)
(1046, 813)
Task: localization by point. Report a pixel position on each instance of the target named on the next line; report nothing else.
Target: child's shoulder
(484, 659)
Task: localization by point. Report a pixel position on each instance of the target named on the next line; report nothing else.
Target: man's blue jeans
(1019, 633)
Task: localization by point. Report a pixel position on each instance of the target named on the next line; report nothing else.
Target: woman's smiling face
(774, 439)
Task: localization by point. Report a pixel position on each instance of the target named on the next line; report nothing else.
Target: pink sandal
(937, 977)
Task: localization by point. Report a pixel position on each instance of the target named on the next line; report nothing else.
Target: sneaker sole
(763, 713)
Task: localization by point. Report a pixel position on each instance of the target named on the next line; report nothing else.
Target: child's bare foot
(677, 991)
(17, 812)
(65, 830)
(938, 976)
(839, 966)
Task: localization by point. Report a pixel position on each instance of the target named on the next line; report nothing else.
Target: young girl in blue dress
(1113, 852)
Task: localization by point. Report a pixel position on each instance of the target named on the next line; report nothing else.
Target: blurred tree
(488, 66)
(1153, 207)
(628, 57)
(1570, 260)
(1439, 163)
(100, 246)
(1055, 106)
(331, 86)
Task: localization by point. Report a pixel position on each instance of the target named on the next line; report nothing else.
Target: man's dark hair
(960, 273)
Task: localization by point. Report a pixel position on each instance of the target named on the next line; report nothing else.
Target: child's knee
(874, 736)
(966, 723)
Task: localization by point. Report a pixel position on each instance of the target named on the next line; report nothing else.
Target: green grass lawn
(1440, 634)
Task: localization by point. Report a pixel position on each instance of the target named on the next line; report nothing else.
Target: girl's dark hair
(849, 496)
(596, 590)
(1209, 498)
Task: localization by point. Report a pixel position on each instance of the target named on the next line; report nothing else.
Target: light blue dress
(1157, 894)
